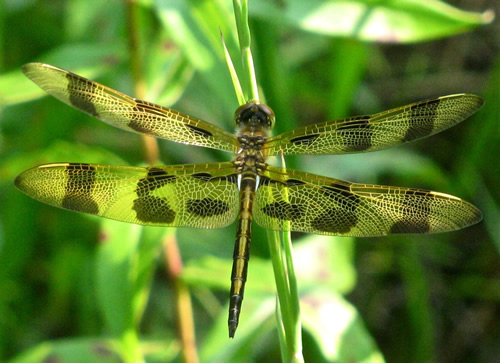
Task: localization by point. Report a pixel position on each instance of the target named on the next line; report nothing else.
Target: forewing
(379, 131)
(125, 112)
(298, 201)
(196, 195)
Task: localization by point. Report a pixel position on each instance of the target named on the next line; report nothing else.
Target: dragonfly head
(254, 116)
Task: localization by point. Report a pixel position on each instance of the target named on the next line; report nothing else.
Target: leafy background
(72, 286)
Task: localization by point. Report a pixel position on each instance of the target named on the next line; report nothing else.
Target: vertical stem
(234, 76)
(149, 143)
(418, 300)
(288, 300)
(185, 321)
(282, 259)
(241, 15)
(295, 340)
(2, 37)
(172, 255)
(131, 346)
(131, 349)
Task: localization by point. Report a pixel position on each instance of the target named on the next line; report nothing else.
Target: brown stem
(185, 321)
(149, 143)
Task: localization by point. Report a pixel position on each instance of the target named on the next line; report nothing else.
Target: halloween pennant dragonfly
(213, 195)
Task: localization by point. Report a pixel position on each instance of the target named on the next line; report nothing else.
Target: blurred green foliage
(74, 287)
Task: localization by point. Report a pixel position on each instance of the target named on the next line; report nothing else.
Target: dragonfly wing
(196, 195)
(125, 112)
(379, 131)
(288, 199)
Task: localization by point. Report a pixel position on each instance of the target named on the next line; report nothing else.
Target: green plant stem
(241, 16)
(288, 314)
(288, 317)
(295, 323)
(417, 296)
(234, 76)
(131, 347)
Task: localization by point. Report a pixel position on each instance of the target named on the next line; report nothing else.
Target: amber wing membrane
(289, 199)
(376, 132)
(190, 195)
(122, 111)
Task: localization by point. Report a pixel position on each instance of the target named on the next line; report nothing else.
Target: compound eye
(254, 113)
(265, 109)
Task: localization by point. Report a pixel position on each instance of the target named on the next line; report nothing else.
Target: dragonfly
(248, 189)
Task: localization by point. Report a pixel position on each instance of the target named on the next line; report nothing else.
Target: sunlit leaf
(337, 328)
(93, 350)
(402, 21)
(77, 350)
(89, 60)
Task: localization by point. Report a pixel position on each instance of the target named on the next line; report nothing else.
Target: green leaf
(170, 86)
(115, 284)
(75, 351)
(402, 162)
(349, 60)
(124, 270)
(325, 261)
(88, 60)
(337, 328)
(320, 262)
(207, 272)
(93, 350)
(479, 153)
(255, 325)
(258, 307)
(58, 150)
(234, 76)
(195, 29)
(401, 21)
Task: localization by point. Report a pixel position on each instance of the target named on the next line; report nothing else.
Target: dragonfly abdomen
(241, 249)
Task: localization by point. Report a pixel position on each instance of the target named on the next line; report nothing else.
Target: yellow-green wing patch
(298, 201)
(379, 131)
(190, 195)
(125, 112)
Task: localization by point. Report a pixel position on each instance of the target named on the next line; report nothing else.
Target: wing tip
(28, 67)
(478, 101)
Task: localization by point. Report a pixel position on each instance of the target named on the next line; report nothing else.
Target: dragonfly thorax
(254, 119)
